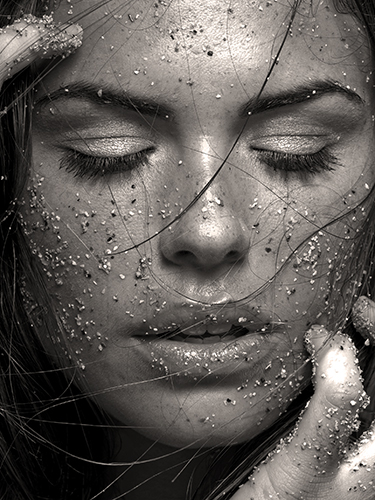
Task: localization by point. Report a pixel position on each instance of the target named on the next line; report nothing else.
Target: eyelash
(89, 167)
(307, 164)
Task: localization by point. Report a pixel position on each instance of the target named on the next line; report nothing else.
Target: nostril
(205, 258)
(233, 255)
(182, 257)
(183, 254)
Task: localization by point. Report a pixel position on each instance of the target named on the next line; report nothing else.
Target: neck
(156, 471)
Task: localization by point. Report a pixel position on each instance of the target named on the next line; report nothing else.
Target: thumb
(306, 464)
(339, 394)
(30, 38)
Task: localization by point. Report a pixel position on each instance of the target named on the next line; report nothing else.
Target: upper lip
(197, 320)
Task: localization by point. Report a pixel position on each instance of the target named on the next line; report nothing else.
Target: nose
(209, 235)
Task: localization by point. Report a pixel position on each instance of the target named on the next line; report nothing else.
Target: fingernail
(315, 338)
(363, 317)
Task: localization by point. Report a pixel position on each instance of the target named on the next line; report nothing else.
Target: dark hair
(51, 435)
(40, 410)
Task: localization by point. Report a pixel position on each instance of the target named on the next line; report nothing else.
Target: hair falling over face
(180, 200)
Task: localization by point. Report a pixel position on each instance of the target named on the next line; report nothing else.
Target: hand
(32, 38)
(317, 461)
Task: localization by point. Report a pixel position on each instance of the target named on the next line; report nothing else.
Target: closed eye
(305, 164)
(91, 167)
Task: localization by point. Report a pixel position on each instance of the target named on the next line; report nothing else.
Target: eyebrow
(108, 95)
(298, 94)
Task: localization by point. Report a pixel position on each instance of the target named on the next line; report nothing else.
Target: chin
(203, 422)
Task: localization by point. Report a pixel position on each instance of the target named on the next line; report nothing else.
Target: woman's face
(190, 226)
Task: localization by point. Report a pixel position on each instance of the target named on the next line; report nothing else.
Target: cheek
(77, 242)
(307, 248)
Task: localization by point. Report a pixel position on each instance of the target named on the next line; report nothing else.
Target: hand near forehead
(320, 459)
(31, 38)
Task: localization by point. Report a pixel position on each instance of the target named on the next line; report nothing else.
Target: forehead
(175, 47)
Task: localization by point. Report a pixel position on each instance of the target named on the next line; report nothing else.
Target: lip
(196, 320)
(223, 355)
(232, 361)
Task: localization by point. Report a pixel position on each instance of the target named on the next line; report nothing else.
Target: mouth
(211, 335)
(209, 325)
(210, 331)
(202, 354)
(211, 345)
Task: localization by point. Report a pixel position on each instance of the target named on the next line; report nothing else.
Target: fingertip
(363, 317)
(315, 338)
(62, 41)
(31, 38)
(338, 377)
(336, 371)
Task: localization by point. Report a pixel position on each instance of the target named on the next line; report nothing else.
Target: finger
(306, 465)
(356, 476)
(30, 38)
(332, 414)
(363, 316)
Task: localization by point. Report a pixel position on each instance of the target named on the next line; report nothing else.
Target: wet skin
(170, 87)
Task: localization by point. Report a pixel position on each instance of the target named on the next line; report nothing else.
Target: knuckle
(345, 400)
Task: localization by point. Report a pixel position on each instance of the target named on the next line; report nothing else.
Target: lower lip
(246, 356)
